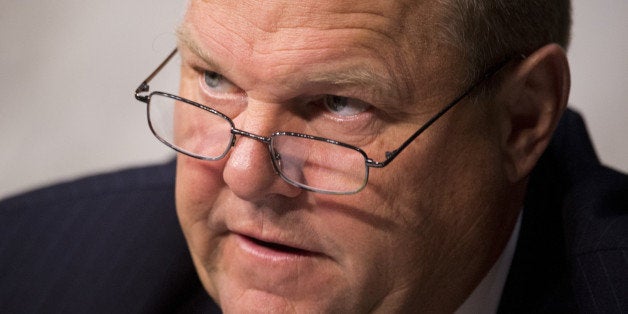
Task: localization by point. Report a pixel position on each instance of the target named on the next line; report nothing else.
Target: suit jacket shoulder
(104, 244)
(572, 253)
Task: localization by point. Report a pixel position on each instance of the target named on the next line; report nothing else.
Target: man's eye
(218, 83)
(344, 106)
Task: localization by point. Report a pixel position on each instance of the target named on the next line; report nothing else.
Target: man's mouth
(280, 248)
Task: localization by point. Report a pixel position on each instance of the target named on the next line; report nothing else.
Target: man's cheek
(198, 184)
(198, 176)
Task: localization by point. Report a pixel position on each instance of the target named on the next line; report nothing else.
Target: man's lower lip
(257, 266)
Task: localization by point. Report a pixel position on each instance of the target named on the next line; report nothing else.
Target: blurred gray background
(68, 69)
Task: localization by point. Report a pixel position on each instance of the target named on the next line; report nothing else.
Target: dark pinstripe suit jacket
(112, 244)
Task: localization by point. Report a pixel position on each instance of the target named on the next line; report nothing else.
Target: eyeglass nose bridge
(259, 138)
(275, 158)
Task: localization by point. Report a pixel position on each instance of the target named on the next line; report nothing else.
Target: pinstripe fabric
(600, 245)
(105, 244)
(572, 254)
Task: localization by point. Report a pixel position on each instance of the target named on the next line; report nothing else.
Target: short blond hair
(487, 31)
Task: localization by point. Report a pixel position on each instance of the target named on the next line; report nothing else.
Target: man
(354, 156)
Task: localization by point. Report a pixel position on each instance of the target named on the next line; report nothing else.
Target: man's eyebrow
(358, 76)
(184, 38)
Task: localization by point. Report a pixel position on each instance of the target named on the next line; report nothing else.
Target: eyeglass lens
(307, 162)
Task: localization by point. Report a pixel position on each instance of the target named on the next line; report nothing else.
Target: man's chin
(251, 300)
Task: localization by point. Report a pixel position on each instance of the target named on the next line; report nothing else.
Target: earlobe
(535, 94)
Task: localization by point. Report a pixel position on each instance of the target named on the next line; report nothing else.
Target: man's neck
(485, 298)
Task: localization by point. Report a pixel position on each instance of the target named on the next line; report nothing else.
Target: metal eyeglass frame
(370, 163)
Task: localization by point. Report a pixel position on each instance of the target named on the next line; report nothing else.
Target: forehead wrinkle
(273, 16)
(350, 21)
(266, 21)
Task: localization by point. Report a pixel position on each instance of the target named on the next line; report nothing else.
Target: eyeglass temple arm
(391, 155)
(144, 86)
(490, 72)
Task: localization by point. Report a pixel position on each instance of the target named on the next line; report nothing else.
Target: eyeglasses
(309, 162)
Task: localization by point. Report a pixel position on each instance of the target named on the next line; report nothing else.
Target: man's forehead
(393, 16)
(391, 33)
(287, 10)
(358, 73)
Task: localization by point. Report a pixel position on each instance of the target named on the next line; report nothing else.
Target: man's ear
(535, 95)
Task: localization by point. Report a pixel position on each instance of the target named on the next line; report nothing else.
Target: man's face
(422, 232)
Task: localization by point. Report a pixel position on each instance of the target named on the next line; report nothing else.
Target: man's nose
(249, 172)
